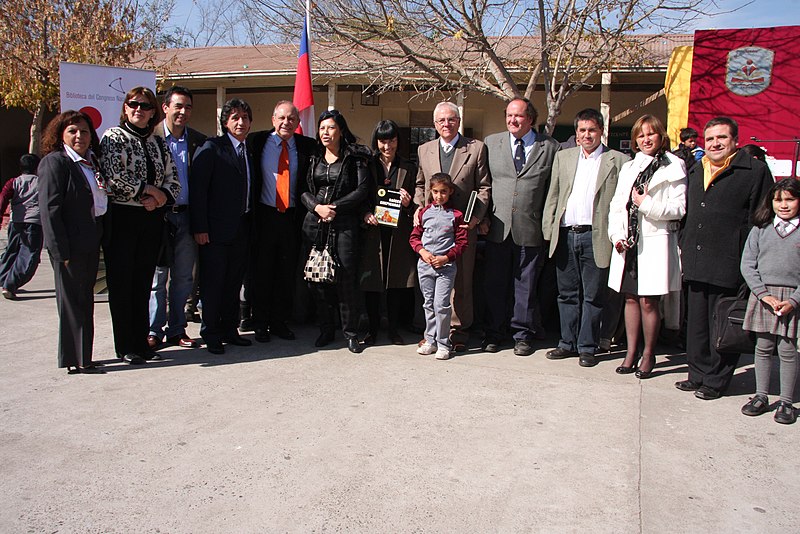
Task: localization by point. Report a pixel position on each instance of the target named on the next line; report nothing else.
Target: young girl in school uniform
(770, 267)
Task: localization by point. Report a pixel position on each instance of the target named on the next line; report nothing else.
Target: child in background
(770, 267)
(688, 150)
(440, 238)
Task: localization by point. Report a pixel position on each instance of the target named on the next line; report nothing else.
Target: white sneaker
(443, 353)
(426, 348)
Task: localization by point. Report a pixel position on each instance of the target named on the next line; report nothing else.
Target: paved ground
(281, 437)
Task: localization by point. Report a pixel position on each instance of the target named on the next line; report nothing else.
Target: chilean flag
(303, 97)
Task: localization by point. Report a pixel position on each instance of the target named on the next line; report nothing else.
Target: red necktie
(282, 182)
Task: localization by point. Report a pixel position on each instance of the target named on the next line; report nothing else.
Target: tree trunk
(36, 129)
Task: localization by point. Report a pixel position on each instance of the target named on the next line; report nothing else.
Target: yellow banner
(676, 87)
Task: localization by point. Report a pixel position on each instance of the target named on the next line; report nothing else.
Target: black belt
(579, 228)
(179, 208)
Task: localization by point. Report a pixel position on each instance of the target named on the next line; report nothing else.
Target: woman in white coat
(648, 204)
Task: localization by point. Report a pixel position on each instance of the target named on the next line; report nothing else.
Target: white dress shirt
(580, 204)
(98, 195)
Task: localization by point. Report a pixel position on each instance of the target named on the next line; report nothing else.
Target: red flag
(303, 90)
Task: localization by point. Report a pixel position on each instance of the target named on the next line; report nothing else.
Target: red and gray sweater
(440, 232)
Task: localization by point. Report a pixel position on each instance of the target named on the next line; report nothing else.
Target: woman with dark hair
(755, 151)
(388, 264)
(643, 218)
(142, 179)
(338, 185)
(72, 206)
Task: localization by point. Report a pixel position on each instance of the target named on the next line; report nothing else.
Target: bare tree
(496, 47)
(35, 35)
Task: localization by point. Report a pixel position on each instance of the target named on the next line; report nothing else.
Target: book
(387, 206)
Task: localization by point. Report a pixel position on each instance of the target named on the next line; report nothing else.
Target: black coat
(719, 219)
(66, 207)
(217, 190)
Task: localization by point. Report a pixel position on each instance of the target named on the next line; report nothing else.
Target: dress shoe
(523, 348)
(758, 404)
(151, 355)
(490, 345)
(133, 359)
(459, 347)
(239, 341)
(625, 370)
(687, 385)
(153, 342)
(559, 354)
(215, 347)
(325, 338)
(182, 340)
(641, 374)
(785, 413)
(8, 294)
(370, 339)
(262, 335)
(282, 331)
(707, 393)
(246, 325)
(396, 338)
(88, 370)
(586, 359)
(605, 345)
(354, 346)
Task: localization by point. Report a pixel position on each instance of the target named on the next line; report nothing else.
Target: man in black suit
(183, 142)
(220, 199)
(280, 164)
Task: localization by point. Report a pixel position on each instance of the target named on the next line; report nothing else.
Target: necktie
(519, 155)
(783, 228)
(282, 179)
(447, 148)
(243, 168)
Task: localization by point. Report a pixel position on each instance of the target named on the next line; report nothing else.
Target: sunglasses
(134, 104)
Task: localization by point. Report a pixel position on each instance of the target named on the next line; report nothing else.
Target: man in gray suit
(464, 159)
(520, 161)
(575, 221)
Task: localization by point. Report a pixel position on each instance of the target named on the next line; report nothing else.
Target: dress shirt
(527, 142)
(269, 168)
(179, 148)
(98, 195)
(447, 147)
(580, 204)
(792, 226)
(236, 144)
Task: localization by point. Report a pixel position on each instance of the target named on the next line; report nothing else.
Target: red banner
(752, 76)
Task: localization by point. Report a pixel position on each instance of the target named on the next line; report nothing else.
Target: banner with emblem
(750, 75)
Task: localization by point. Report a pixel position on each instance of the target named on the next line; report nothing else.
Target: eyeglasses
(448, 120)
(135, 104)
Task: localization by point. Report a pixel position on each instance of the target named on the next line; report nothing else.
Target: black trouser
(399, 307)
(131, 255)
(706, 366)
(274, 263)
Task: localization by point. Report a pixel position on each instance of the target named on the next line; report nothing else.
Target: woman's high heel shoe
(623, 370)
(644, 375)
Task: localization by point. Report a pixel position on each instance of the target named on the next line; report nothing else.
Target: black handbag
(728, 334)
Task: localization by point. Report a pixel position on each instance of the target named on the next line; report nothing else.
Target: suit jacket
(469, 171)
(194, 140)
(518, 198)
(565, 165)
(305, 150)
(719, 219)
(217, 190)
(67, 208)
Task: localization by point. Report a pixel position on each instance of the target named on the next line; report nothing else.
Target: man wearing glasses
(465, 160)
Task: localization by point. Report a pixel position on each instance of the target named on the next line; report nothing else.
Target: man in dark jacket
(723, 193)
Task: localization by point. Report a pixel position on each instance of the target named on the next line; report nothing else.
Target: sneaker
(443, 353)
(426, 348)
(785, 413)
(758, 404)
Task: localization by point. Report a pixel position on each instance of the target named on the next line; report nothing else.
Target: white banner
(99, 91)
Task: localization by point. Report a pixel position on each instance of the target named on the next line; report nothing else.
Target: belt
(179, 208)
(579, 228)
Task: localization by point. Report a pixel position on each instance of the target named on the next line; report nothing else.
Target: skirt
(759, 316)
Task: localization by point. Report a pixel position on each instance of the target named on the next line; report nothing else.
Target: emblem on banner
(749, 70)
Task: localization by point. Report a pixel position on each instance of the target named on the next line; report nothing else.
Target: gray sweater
(769, 259)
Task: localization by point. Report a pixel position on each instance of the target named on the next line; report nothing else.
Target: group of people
(245, 209)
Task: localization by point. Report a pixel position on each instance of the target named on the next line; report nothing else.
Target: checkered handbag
(321, 265)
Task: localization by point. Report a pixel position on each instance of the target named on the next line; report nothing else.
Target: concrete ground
(281, 437)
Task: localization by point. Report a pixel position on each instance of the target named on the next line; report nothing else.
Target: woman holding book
(388, 265)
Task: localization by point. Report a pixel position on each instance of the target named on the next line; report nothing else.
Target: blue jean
(173, 302)
(21, 258)
(581, 291)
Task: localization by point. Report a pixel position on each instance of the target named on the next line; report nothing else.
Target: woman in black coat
(338, 184)
(72, 203)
